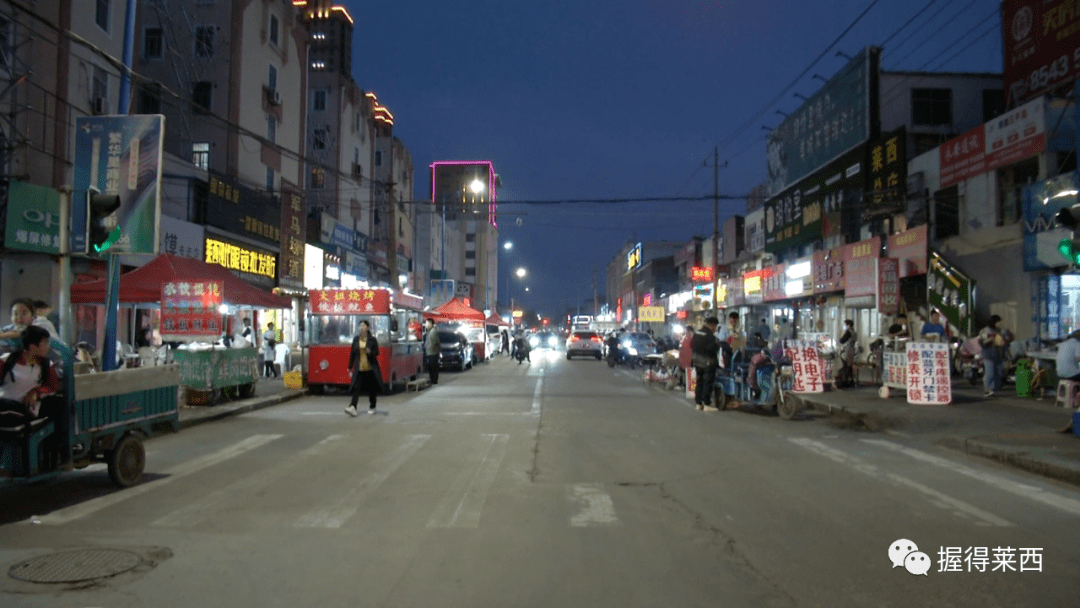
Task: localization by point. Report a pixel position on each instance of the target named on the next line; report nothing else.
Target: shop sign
(701, 274)
(806, 365)
(378, 254)
(313, 267)
(356, 265)
(291, 268)
(243, 211)
(832, 121)
(886, 175)
(792, 219)
(210, 369)
(733, 292)
(677, 301)
(860, 268)
(1009, 138)
(753, 284)
(235, 257)
(828, 267)
(1042, 201)
(191, 309)
(703, 296)
(442, 291)
(909, 247)
(824, 343)
(651, 314)
(182, 238)
(888, 288)
(774, 283)
(1047, 304)
(349, 301)
(1039, 41)
(928, 373)
(894, 370)
(951, 292)
(33, 214)
(799, 278)
(633, 258)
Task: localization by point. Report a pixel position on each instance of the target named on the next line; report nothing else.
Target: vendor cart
(224, 373)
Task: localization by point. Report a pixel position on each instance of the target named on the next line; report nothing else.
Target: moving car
(543, 339)
(641, 341)
(457, 352)
(585, 343)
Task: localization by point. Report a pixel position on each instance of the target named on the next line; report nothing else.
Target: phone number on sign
(1047, 75)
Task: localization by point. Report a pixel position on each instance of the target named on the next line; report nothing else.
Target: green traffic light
(113, 237)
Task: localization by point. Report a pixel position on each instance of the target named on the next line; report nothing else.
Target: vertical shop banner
(291, 260)
(894, 370)
(806, 364)
(121, 155)
(775, 283)
(191, 309)
(828, 268)
(824, 344)
(909, 247)
(928, 380)
(886, 178)
(1049, 307)
(888, 288)
(860, 267)
(1039, 42)
(33, 214)
(951, 292)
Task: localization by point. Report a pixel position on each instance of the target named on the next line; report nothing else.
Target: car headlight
(552, 341)
(533, 341)
(631, 350)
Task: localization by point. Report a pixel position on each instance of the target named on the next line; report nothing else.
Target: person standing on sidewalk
(269, 345)
(364, 368)
(686, 354)
(432, 348)
(705, 349)
(993, 343)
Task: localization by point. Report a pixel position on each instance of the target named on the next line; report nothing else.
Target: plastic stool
(1067, 392)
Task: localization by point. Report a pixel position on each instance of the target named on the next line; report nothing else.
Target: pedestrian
(731, 332)
(268, 348)
(899, 328)
(364, 369)
(1068, 357)
(764, 330)
(993, 341)
(505, 342)
(248, 333)
(848, 342)
(432, 348)
(705, 349)
(933, 330)
(686, 353)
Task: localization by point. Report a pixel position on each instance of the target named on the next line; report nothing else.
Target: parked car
(457, 352)
(585, 344)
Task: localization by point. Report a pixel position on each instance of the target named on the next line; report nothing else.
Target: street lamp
(508, 245)
(520, 272)
(476, 186)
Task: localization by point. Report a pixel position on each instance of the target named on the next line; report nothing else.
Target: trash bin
(1023, 379)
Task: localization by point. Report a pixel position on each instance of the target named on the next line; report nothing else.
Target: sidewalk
(1020, 432)
(268, 392)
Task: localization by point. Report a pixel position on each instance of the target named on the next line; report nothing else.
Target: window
(318, 140)
(993, 104)
(271, 129)
(273, 29)
(201, 94)
(271, 79)
(378, 158)
(101, 15)
(470, 237)
(947, 212)
(470, 272)
(470, 255)
(318, 177)
(204, 41)
(149, 101)
(931, 106)
(1011, 183)
(356, 156)
(153, 43)
(99, 91)
(270, 179)
(200, 155)
(320, 101)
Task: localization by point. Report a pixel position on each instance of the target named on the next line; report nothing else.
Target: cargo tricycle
(733, 387)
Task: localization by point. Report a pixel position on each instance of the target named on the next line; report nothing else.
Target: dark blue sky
(625, 99)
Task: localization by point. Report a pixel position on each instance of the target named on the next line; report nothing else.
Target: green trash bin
(1023, 379)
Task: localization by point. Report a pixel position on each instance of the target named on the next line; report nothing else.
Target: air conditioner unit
(275, 97)
(98, 105)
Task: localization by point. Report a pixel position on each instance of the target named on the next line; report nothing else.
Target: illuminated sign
(238, 258)
(647, 299)
(349, 301)
(701, 274)
(721, 291)
(633, 258)
(190, 308)
(682, 314)
(651, 314)
(752, 284)
(518, 314)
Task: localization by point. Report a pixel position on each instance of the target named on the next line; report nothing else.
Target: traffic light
(99, 234)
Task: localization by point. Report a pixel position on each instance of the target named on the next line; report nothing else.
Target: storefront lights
(798, 271)
(794, 288)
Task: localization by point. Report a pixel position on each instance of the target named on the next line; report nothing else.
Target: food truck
(333, 321)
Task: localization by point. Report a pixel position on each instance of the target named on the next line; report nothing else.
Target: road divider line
(199, 511)
(1057, 501)
(346, 506)
(937, 498)
(472, 487)
(180, 471)
(597, 509)
(537, 399)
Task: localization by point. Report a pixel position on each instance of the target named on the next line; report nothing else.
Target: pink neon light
(492, 217)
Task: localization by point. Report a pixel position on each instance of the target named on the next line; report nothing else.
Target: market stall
(495, 327)
(470, 322)
(197, 320)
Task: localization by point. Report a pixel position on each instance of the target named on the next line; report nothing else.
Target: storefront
(860, 287)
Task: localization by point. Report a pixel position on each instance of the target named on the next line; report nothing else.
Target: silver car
(584, 343)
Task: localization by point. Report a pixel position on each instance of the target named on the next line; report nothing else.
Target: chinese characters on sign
(650, 314)
(888, 296)
(291, 268)
(806, 363)
(909, 247)
(190, 308)
(701, 274)
(894, 366)
(237, 258)
(978, 559)
(928, 373)
(1013, 136)
(860, 269)
(1039, 47)
(349, 301)
(633, 258)
(887, 169)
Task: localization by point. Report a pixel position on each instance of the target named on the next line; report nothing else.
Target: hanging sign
(191, 309)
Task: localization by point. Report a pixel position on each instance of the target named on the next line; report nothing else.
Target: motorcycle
(624, 354)
(970, 359)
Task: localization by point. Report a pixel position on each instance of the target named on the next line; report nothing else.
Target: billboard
(812, 208)
(832, 121)
(1041, 40)
(1011, 137)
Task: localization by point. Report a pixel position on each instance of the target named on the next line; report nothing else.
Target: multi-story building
(466, 193)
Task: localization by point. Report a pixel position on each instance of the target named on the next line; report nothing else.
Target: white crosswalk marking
(1068, 505)
(461, 506)
(596, 506)
(938, 498)
(198, 511)
(180, 471)
(346, 506)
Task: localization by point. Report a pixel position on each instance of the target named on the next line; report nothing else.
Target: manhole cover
(75, 566)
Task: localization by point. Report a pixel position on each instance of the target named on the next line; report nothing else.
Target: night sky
(603, 99)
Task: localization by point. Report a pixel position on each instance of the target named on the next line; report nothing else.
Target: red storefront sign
(191, 308)
(1039, 40)
(1009, 138)
(909, 247)
(888, 287)
(775, 282)
(349, 301)
(963, 157)
(701, 274)
(860, 269)
(828, 269)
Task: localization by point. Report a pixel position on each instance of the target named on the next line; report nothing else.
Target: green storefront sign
(33, 218)
(951, 292)
(218, 368)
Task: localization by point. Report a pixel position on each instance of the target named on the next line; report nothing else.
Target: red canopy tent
(144, 284)
(454, 310)
(494, 319)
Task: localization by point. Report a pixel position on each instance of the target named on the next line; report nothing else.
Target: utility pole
(716, 225)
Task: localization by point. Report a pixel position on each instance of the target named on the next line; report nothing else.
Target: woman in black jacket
(364, 368)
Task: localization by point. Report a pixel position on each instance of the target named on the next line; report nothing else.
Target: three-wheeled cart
(773, 381)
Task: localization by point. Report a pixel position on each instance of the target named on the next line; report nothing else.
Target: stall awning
(494, 319)
(144, 284)
(454, 310)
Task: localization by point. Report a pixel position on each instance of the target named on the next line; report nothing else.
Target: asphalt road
(560, 483)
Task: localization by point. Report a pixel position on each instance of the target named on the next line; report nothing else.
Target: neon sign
(701, 274)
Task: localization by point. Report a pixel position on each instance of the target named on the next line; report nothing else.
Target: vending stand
(468, 320)
(334, 320)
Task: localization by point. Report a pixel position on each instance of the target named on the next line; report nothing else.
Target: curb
(1017, 460)
(235, 409)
